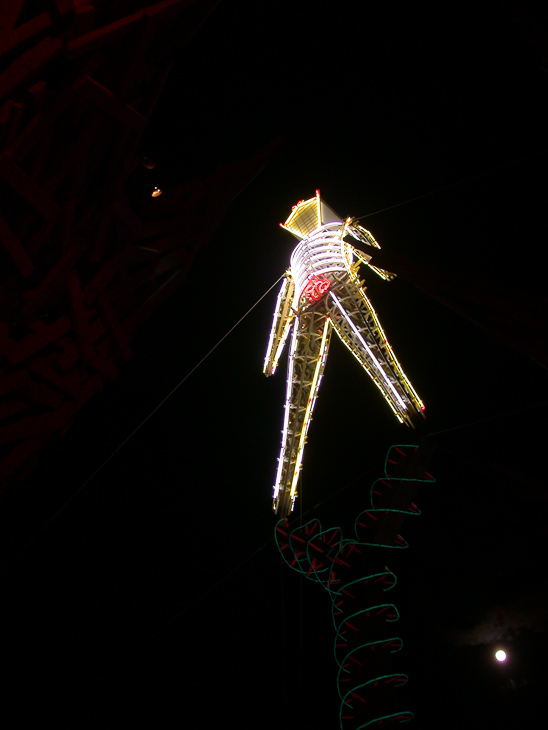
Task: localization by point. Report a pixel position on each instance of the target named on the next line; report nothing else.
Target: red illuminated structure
(315, 289)
(85, 257)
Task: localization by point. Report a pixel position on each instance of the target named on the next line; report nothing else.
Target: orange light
(156, 192)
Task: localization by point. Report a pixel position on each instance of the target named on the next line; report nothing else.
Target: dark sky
(157, 593)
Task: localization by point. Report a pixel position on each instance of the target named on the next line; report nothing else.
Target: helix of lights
(353, 573)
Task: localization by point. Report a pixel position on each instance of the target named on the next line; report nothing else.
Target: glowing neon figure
(322, 291)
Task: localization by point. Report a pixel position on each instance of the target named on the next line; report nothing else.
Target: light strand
(132, 434)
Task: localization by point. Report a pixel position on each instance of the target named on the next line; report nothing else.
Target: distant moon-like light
(500, 655)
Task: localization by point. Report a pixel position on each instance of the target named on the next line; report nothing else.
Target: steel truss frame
(325, 257)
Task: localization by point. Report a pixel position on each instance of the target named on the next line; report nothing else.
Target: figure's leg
(309, 345)
(356, 323)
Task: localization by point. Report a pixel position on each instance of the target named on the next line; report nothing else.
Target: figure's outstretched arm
(365, 259)
(364, 236)
(283, 317)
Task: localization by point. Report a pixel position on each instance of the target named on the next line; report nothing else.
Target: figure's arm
(283, 317)
(365, 259)
(364, 236)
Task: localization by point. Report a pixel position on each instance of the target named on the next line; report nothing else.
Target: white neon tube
(282, 291)
(404, 376)
(310, 406)
(287, 404)
(377, 363)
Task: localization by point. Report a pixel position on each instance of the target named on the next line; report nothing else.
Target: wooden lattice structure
(83, 263)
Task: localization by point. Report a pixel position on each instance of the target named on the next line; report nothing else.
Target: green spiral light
(352, 572)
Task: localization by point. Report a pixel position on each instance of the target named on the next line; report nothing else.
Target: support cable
(198, 599)
(452, 185)
(132, 434)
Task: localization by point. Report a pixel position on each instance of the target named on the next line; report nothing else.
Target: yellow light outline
(309, 407)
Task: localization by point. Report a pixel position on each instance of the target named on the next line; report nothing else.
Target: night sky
(157, 593)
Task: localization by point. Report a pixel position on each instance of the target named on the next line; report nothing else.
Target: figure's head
(308, 215)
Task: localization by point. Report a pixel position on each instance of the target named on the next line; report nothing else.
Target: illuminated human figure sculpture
(320, 292)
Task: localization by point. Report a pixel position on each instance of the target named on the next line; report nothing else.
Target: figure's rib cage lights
(363, 618)
(322, 291)
(322, 252)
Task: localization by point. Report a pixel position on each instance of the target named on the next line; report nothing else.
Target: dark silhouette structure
(87, 253)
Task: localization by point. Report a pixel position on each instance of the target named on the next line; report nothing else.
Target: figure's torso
(319, 254)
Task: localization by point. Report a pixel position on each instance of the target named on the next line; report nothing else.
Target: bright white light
(500, 655)
(377, 363)
(322, 252)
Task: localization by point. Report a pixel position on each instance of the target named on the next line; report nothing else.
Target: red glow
(423, 408)
(316, 288)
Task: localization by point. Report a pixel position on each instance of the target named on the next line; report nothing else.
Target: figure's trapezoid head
(308, 215)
